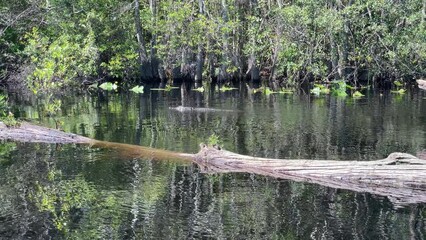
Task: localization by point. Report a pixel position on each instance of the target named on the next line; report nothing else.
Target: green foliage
(11, 121)
(5, 115)
(296, 41)
(320, 89)
(53, 106)
(213, 140)
(55, 61)
(339, 88)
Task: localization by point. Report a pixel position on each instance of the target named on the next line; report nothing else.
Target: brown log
(401, 177)
(27, 132)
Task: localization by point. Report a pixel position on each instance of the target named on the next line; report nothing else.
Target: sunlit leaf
(137, 89)
(108, 86)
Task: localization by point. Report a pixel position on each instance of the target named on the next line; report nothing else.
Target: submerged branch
(401, 177)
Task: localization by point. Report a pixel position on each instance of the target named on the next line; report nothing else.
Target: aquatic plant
(357, 94)
(137, 89)
(108, 86)
(320, 89)
(168, 88)
(339, 88)
(268, 91)
(200, 89)
(226, 88)
(286, 91)
(398, 83)
(400, 91)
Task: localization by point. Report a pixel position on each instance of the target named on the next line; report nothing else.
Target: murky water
(66, 191)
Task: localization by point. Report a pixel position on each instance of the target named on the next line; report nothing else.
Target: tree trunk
(200, 54)
(156, 66)
(223, 71)
(401, 177)
(145, 66)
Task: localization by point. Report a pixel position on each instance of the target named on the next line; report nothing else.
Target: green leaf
(268, 91)
(137, 89)
(167, 88)
(226, 88)
(286, 91)
(316, 91)
(398, 83)
(357, 94)
(400, 91)
(200, 89)
(108, 86)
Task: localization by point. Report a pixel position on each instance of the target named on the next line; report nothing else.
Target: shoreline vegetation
(400, 176)
(53, 44)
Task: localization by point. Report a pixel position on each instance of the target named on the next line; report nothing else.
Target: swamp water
(50, 191)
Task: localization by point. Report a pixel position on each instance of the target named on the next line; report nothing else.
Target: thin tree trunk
(334, 57)
(145, 66)
(200, 54)
(223, 73)
(141, 43)
(156, 66)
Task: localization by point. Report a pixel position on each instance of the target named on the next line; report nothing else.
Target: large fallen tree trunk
(401, 177)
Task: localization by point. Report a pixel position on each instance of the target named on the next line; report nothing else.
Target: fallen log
(31, 133)
(401, 177)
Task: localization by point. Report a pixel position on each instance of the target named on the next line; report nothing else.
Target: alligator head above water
(195, 109)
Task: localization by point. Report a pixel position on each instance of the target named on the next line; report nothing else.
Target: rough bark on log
(401, 177)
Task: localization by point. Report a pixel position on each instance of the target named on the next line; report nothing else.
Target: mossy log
(401, 177)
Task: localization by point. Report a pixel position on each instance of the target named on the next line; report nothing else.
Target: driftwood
(401, 177)
(421, 83)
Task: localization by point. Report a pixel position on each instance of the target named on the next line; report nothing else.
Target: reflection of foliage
(5, 149)
(7, 117)
(3, 105)
(11, 121)
(60, 197)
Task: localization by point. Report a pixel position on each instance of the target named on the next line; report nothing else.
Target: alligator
(183, 109)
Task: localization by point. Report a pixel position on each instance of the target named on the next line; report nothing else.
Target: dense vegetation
(61, 42)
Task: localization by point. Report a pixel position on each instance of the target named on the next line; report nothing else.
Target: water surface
(76, 192)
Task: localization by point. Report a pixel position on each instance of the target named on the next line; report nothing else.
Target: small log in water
(401, 177)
